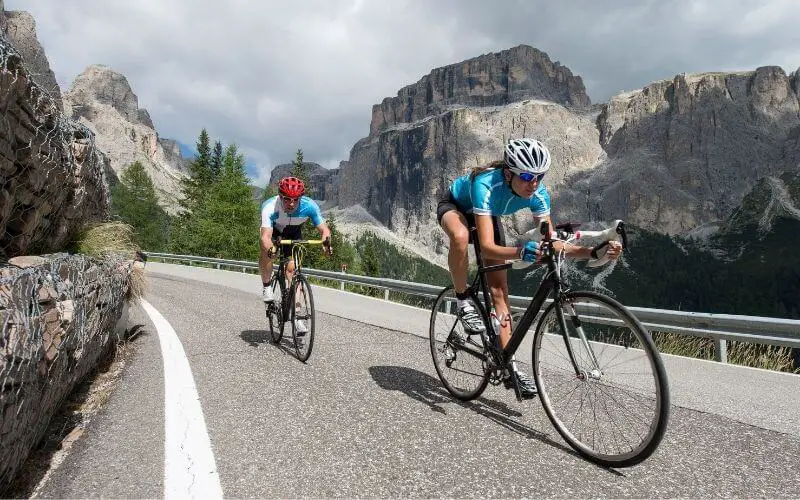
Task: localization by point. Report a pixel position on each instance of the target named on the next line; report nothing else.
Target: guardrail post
(386, 294)
(721, 350)
(341, 286)
(447, 305)
(217, 265)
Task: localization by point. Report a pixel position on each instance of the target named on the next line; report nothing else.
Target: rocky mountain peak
(99, 83)
(104, 101)
(494, 79)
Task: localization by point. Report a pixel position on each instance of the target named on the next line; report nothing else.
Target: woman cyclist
(477, 199)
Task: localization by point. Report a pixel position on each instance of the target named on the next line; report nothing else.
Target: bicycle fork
(594, 371)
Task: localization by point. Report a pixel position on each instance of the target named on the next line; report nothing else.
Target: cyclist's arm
(267, 215)
(490, 249)
(266, 238)
(324, 232)
(576, 251)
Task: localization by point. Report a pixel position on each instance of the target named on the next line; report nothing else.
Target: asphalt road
(368, 417)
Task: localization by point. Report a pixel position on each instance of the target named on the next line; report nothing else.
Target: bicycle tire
(471, 366)
(303, 344)
(275, 313)
(616, 390)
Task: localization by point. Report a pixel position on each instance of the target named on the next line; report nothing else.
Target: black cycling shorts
(448, 203)
(287, 233)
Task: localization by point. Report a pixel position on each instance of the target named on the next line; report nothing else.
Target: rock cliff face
(489, 80)
(454, 119)
(672, 156)
(19, 28)
(684, 152)
(102, 99)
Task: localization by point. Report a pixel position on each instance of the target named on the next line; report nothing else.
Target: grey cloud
(274, 76)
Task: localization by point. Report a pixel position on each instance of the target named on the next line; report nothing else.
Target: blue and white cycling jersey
(490, 194)
(274, 215)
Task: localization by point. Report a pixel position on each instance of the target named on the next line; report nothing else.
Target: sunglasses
(528, 177)
(287, 199)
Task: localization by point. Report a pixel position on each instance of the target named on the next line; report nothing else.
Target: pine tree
(300, 169)
(343, 253)
(200, 178)
(370, 263)
(216, 160)
(224, 225)
(134, 201)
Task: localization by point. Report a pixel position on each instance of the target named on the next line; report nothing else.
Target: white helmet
(526, 155)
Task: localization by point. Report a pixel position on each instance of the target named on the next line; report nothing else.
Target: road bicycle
(293, 301)
(599, 375)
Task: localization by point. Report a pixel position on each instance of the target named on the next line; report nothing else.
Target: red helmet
(291, 187)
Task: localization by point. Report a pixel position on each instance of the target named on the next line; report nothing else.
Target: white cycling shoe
(300, 327)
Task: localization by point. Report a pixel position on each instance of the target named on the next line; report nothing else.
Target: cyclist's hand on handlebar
(327, 249)
(530, 252)
(614, 249)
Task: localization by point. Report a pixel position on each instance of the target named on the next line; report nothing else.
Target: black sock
(463, 295)
(266, 284)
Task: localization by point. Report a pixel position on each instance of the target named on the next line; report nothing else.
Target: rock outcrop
(19, 28)
(684, 152)
(673, 156)
(495, 79)
(454, 119)
(103, 100)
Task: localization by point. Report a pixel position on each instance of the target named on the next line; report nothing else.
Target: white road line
(190, 469)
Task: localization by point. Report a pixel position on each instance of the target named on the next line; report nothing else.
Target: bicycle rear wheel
(460, 359)
(615, 411)
(302, 317)
(275, 313)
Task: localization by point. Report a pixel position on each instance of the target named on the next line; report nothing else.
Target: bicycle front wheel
(302, 318)
(459, 359)
(601, 379)
(275, 313)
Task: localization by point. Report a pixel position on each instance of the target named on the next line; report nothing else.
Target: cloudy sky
(274, 76)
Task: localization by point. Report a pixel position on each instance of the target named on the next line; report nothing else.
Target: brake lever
(623, 234)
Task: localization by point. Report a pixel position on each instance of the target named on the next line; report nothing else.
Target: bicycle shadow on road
(429, 390)
(255, 338)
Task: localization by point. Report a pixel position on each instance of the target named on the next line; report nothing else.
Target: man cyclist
(477, 199)
(281, 218)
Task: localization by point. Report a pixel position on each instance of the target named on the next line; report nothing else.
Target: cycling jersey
(490, 194)
(274, 215)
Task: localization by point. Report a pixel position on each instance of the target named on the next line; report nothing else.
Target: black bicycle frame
(290, 289)
(550, 284)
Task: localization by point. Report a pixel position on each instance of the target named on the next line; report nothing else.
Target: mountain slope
(103, 100)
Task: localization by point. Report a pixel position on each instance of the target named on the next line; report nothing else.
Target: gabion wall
(58, 315)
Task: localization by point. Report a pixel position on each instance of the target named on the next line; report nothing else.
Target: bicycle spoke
(459, 360)
(615, 415)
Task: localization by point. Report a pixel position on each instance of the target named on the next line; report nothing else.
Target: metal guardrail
(719, 327)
